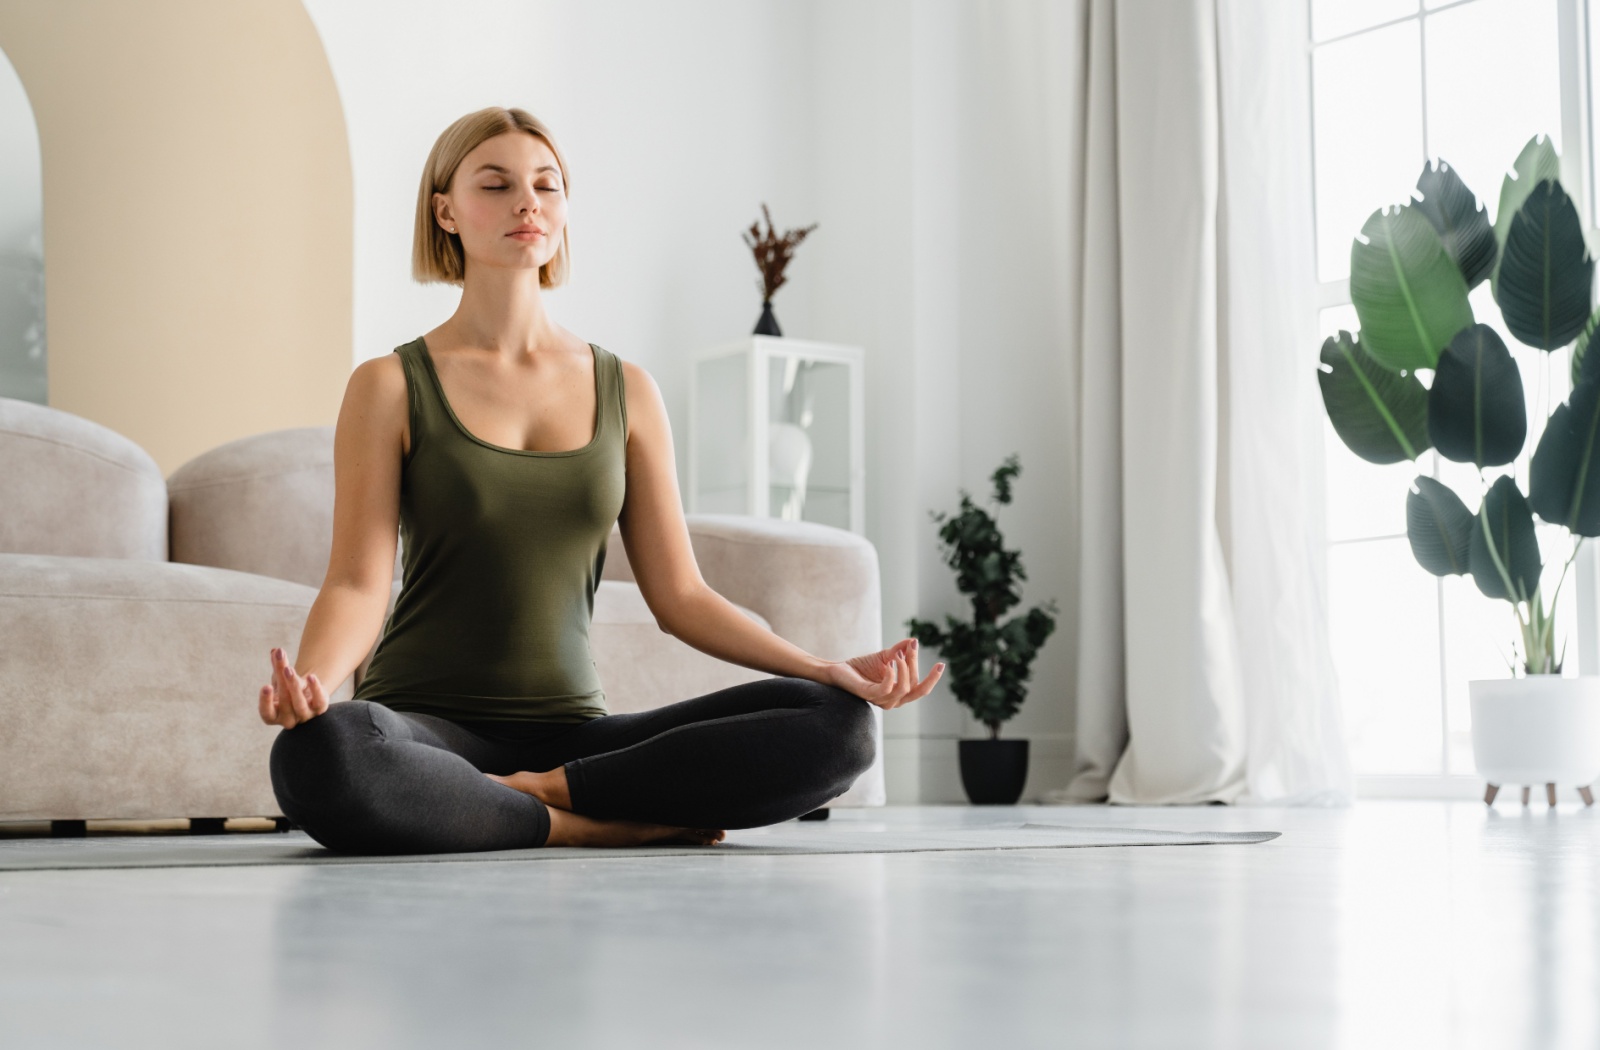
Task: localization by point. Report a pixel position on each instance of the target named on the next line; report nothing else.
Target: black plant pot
(993, 771)
(768, 325)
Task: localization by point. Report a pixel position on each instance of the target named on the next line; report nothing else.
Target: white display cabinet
(776, 429)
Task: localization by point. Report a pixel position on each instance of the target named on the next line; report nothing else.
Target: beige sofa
(137, 612)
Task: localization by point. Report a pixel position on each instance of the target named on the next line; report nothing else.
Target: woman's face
(506, 202)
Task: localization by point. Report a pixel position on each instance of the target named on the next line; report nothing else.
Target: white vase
(1542, 729)
(789, 457)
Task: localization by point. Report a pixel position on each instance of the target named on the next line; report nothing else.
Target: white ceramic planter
(1542, 729)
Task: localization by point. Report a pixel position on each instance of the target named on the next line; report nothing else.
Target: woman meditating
(502, 448)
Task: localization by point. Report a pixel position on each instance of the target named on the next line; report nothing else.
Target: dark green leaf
(1546, 273)
(1537, 161)
(1382, 416)
(1564, 476)
(1407, 291)
(1580, 370)
(1461, 222)
(1439, 527)
(1476, 413)
(1513, 555)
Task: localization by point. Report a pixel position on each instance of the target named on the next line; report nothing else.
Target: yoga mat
(789, 839)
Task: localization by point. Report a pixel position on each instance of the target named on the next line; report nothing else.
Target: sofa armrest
(130, 687)
(817, 585)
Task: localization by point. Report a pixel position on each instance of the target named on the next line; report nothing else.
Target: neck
(503, 311)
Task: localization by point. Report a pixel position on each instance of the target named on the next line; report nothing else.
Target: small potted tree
(1423, 373)
(989, 661)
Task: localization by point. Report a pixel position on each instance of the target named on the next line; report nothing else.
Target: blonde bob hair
(436, 253)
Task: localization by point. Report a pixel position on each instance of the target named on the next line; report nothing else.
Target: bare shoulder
(638, 380)
(383, 371)
(647, 410)
(375, 401)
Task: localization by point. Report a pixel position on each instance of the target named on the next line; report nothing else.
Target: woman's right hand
(291, 699)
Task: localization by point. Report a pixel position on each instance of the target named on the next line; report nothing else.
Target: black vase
(993, 771)
(768, 325)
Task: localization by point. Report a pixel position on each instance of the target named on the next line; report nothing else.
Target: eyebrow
(507, 171)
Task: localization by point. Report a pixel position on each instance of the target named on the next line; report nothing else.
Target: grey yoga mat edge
(265, 849)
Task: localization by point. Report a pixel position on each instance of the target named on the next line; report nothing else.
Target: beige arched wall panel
(197, 215)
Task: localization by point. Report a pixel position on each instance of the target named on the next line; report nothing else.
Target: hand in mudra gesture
(886, 678)
(290, 698)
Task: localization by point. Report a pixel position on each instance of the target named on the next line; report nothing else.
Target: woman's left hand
(887, 678)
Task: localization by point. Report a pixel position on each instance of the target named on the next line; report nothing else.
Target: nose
(529, 202)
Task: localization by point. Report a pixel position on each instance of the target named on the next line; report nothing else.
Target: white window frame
(1577, 174)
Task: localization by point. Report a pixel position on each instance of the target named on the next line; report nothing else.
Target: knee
(321, 737)
(850, 723)
(308, 760)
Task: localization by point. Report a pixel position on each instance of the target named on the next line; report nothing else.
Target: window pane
(1592, 11)
(1384, 629)
(1330, 18)
(1482, 111)
(1368, 123)
(1365, 499)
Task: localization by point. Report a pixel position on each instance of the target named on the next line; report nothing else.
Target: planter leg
(1550, 793)
(1527, 793)
(1587, 795)
(1489, 793)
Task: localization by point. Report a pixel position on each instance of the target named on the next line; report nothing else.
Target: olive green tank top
(501, 554)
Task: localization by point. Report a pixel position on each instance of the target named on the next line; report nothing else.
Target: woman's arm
(349, 608)
(661, 555)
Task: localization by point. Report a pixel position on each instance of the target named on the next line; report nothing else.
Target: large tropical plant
(1422, 372)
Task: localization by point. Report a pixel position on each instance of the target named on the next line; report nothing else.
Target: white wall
(935, 167)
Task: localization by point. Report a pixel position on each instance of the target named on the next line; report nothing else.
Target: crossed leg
(741, 757)
(363, 778)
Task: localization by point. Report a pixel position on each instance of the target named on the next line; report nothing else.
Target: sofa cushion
(69, 485)
(261, 504)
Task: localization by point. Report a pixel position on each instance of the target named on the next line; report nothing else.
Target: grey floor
(1390, 924)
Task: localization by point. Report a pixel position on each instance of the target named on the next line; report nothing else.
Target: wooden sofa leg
(816, 814)
(207, 825)
(69, 829)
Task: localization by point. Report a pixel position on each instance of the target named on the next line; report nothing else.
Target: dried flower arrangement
(772, 253)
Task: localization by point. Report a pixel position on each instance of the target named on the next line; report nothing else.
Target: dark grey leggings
(362, 778)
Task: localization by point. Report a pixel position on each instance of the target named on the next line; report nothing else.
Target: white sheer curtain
(1204, 672)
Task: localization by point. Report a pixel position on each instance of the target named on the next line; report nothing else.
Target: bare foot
(574, 829)
(549, 788)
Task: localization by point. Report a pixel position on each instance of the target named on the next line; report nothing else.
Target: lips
(526, 231)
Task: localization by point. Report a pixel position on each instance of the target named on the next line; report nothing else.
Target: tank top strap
(613, 395)
(428, 413)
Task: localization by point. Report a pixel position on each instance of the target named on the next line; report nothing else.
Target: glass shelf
(783, 417)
